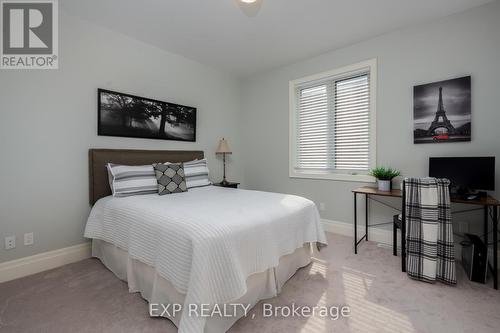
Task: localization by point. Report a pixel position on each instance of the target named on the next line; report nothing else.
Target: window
(332, 124)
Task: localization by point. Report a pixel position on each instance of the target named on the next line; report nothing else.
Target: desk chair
(399, 223)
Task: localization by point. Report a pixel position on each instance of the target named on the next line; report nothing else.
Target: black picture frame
(131, 116)
(442, 111)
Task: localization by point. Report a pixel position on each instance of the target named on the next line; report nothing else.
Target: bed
(206, 247)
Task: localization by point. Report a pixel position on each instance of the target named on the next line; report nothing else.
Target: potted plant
(384, 177)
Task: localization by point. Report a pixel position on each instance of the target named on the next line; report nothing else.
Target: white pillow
(196, 173)
(127, 180)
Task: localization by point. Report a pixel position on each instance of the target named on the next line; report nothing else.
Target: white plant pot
(384, 185)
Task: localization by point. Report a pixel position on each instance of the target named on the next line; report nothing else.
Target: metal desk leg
(366, 217)
(403, 230)
(355, 225)
(403, 244)
(495, 247)
(486, 218)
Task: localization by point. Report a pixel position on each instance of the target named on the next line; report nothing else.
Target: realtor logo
(29, 34)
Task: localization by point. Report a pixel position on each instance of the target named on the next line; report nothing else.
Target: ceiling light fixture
(249, 7)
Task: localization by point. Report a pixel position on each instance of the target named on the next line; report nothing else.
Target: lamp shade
(223, 147)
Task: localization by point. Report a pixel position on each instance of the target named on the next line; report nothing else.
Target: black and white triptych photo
(442, 111)
(132, 116)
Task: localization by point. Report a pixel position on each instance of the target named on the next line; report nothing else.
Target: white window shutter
(314, 130)
(352, 123)
(333, 125)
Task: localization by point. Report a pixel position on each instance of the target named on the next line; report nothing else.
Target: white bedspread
(209, 240)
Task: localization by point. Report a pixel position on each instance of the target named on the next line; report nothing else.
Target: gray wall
(463, 44)
(48, 122)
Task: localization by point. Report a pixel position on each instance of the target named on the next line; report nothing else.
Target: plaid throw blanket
(429, 236)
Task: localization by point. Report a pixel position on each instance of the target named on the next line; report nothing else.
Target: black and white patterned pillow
(170, 177)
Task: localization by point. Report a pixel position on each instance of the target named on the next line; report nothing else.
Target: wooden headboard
(98, 158)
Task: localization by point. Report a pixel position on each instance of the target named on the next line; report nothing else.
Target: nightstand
(228, 184)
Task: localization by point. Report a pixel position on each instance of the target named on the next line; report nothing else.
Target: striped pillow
(196, 173)
(127, 180)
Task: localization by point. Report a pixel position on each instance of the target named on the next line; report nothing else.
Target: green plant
(384, 173)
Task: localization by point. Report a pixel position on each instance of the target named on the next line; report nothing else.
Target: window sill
(333, 176)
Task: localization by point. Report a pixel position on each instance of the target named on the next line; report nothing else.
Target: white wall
(463, 44)
(48, 121)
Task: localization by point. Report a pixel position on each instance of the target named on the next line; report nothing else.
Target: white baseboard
(15, 269)
(347, 229)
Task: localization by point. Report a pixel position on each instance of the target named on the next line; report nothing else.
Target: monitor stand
(468, 194)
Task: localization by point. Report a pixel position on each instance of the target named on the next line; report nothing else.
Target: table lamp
(223, 149)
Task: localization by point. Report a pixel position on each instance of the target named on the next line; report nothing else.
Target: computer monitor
(465, 173)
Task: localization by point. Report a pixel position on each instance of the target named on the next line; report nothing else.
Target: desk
(488, 202)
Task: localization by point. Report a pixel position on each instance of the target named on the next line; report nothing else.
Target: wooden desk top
(488, 201)
(375, 191)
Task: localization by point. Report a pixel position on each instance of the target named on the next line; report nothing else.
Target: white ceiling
(219, 33)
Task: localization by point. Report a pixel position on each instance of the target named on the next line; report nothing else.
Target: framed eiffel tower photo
(442, 111)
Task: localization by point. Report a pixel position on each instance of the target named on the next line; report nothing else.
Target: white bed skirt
(157, 290)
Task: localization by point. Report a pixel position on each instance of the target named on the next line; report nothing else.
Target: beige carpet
(86, 297)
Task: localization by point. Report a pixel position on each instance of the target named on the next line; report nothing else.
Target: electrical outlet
(28, 239)
(10, 242)
(322, 206)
